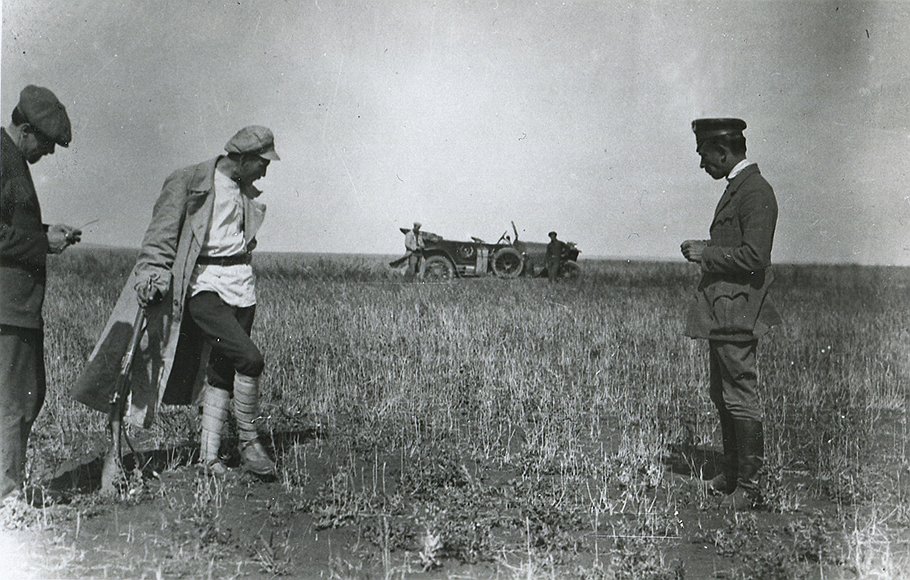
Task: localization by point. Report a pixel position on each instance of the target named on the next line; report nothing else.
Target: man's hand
(73, 235)
(148, 295)
(61, 236)
(693, 250)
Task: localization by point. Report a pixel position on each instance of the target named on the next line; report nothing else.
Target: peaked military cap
(46, 113)
(709, 128)
(254, 139)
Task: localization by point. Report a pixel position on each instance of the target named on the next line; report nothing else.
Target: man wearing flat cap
(414, 245)
(195, 280)
(731, 307)
(39, 123)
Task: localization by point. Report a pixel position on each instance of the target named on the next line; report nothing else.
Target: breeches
(734, 379)
(414, 263)
(22, 389)
(227, 329)
(553, 268)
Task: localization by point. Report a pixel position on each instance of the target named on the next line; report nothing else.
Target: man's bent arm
(26, 246)
(758, 220)
(159, 246)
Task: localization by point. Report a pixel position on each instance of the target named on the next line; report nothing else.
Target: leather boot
(215, 406)
(246, 411)
(724, 483)
(751, 444)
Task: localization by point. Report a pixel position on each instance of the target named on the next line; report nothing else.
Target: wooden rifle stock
(113, 468)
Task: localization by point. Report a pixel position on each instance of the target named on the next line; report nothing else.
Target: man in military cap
(414, 245)
(195, 280)
(39, 123)
(555, 248)
(731, 307)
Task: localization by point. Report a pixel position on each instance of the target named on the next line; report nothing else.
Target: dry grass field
(489, 428)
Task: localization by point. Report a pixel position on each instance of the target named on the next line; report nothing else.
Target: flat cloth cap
(46, 113)
(254, 139)
(709, 128)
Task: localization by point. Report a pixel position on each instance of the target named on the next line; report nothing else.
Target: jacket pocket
(732, 306)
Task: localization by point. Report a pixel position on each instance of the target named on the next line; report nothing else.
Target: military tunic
(731, 306)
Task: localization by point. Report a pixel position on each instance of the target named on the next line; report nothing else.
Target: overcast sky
(573, 116)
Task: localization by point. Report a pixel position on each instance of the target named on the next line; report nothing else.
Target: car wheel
(507, 263)
(569, 271)
(438, 268)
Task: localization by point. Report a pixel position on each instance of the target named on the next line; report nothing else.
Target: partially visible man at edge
(39, 122)
(731, 307)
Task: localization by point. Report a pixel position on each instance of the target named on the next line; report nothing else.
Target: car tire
(507, 263)
(437, 268)
(569, 271)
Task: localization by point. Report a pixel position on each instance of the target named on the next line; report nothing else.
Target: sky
(468, 115)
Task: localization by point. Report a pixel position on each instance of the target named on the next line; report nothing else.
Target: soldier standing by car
(555, 250)
(731, 307)
(414, 245)
(39, 122)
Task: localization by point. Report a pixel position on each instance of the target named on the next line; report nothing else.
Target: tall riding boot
(751, 444)
(215, 406)
(724, 483)
(246, 411)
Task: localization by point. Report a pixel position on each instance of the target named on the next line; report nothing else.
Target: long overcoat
(732, 302)
(165, 369)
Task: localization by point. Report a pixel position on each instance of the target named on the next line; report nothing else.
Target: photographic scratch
(101, 70)
(350, 177)
(330, 107)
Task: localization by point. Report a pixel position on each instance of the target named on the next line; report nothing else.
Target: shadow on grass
(84, 478)
(690, 460)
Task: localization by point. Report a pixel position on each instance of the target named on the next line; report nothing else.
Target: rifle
(113, 466)
(400, 261)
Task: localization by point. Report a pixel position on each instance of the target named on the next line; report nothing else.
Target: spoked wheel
(437, 268)
(569, 271)
(507, 263)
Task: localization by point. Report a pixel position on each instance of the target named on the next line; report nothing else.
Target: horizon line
(599, 257)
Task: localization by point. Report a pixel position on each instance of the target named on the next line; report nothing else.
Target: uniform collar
(737, 169)
(734, 184)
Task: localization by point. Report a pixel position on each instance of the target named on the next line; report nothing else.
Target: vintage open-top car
(507, 258)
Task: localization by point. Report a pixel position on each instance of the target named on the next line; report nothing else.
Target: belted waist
(234, 260)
